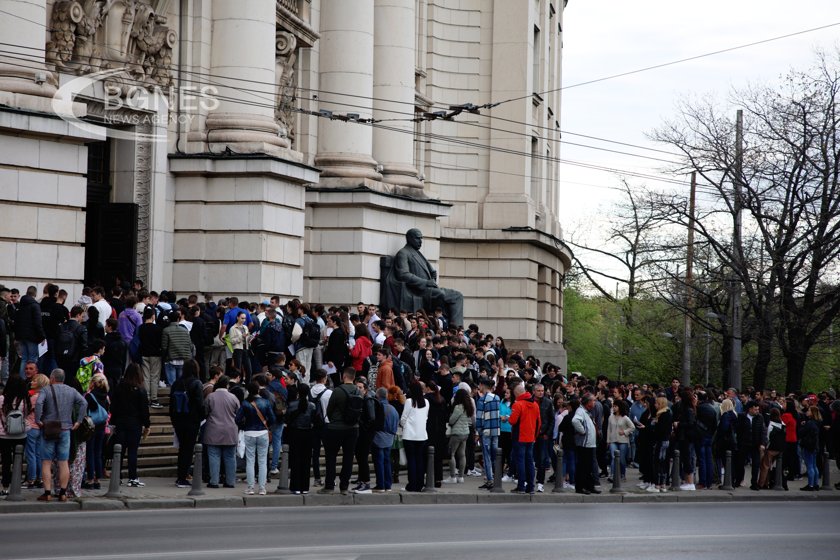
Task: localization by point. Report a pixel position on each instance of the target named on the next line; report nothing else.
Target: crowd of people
(375, 386)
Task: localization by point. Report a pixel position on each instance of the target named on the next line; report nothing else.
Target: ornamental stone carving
(286, 76)
(92, 35)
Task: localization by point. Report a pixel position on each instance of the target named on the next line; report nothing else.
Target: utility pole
(737, 256)
(686, 357)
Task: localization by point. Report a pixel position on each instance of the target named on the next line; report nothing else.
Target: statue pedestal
(349, 228)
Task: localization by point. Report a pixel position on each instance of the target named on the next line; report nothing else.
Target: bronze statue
(411, 283)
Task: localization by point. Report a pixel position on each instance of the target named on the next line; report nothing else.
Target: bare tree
(790, 179)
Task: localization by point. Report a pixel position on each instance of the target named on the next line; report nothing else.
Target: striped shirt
(487, 422)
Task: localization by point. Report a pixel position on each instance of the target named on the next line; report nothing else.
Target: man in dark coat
(752, 441)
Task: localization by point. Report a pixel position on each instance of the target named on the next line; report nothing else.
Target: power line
(664, 64)
(443, 138)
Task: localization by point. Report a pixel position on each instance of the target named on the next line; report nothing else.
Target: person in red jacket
(525, 423)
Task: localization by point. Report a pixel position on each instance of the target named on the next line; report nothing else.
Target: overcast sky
(606, 37)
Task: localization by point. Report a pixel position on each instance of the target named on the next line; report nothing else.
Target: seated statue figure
(411, 283)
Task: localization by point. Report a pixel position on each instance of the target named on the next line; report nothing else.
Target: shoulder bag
(52, 428)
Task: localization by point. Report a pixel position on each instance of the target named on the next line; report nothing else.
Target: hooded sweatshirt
(525, 414)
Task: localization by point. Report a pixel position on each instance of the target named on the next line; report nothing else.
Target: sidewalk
(161, 493)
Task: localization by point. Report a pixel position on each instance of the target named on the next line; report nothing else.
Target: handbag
(52, 428)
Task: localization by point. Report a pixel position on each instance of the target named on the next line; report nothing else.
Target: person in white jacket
(413, 423)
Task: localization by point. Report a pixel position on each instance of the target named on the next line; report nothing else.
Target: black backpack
(352, 407)
(311, 336)
(318, 418)
(401, 373)
(65, 344)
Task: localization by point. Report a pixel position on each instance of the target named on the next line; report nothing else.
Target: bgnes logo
(127, 106)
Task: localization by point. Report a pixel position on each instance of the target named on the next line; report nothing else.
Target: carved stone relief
(286, 76)
(92, 35)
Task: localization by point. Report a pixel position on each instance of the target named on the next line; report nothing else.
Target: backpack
(181, 402)
(65, 344)
(352, 407)
(777, 439)
(311, 336)
(99, 415)
(15, 423)
(377, 423)
(318, 418)
(288, 326)
(85, 373)
(400, 373)
(280, 407)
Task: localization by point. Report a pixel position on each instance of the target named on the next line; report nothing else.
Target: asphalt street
(745, 531)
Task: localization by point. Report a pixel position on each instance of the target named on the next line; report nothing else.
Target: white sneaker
(687, 487)
(262, 491)
(506, 478)
(540, 487)
(652, 489)
(460, 480)
(274, 471)
(249, 491)
(450, 480)
(642, 485)
(566, 485)
(161, 384)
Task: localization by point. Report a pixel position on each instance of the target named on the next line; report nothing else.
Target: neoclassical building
(260, 147)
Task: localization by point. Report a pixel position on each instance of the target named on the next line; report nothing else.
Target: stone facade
(267, 147)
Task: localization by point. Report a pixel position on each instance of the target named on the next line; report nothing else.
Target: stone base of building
(348, 230)
(544, 351)
(239, 225)
(511, 280)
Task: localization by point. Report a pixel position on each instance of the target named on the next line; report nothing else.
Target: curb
(396, 498)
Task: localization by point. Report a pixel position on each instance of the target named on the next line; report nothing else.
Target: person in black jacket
(752, 440)
(53, 314)
(115, 354)
(130, 417)
(186, 410)
(301, 435)
(29, 330)
(542, 447)
(706, 425)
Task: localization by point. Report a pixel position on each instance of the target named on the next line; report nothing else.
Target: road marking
(341, 551)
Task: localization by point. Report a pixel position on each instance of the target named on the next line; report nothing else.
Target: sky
(607, 37)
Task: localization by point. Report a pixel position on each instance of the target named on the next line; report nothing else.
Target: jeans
(187, 435)
(215, 455)
(457, 455)
(623, 449)
(129, 438)
(704, 461)
(415, 453)
(33, 454)
(276, 444)
(28, 352)
(662, 461)
(489, 448)
(95, 448)
(256, 448)
(569, 463)
(382, 467)
(525, 466)
(47, 363)
(57, 449)
(173, 372)
(333, 441)
(810, 458)
(542, 457)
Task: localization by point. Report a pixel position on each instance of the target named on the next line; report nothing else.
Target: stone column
(22, 68)
(244, 52)
(393, 79)
(346, 67)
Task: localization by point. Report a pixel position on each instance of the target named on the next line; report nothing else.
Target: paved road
(745, 531)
